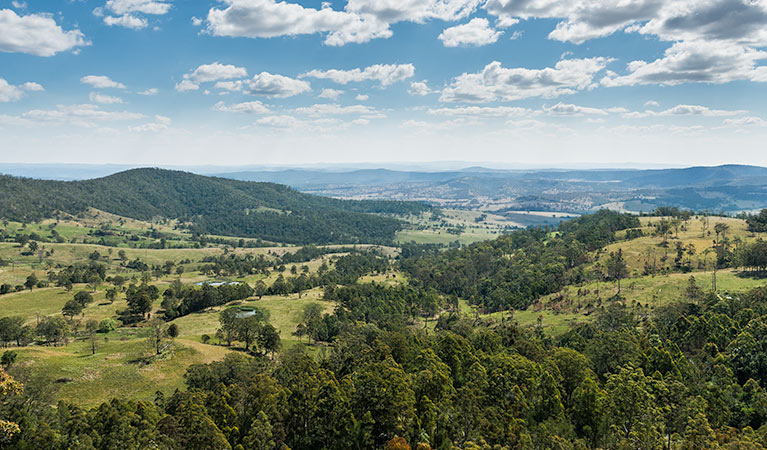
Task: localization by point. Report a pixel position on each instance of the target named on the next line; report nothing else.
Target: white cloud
(32, 86)
(278, 121)
(36, 34)
(562, 109)
(186, 85)
(161, 123)
(216, 71)
(331, 94)
(268, 85)
(483, 112)
(684, 110)
(652, 103)
(271, 85)
(325, 109)
(80, 115)
(254, 107)
(583, 20)
(150, 91)
(196, 21)
(269, 18)
(746, 121)
(11, 93)
(126, 21)
(392, 11)
(101, 82)
(155, 7)
(495, 82)
(362, 97)
(476, 33)
(19, 5)
(123, 13)
(419, 88)
(104, 99)
(233, 86)
(695, 62)
(386, 74)
(359, 22)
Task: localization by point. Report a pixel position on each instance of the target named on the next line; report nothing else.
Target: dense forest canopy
(210, 205)
(515, 269)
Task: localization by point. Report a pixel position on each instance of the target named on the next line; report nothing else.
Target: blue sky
(537, 82)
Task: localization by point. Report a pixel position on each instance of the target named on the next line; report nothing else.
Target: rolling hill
(209, 205)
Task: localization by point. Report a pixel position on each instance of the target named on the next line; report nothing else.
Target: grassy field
(123, 366)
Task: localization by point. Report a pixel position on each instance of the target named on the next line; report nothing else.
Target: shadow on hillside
(754, 275)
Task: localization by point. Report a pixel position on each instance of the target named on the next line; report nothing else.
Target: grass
(123, 366)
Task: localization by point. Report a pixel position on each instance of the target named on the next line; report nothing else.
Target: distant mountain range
(727, 188)
(209, 205)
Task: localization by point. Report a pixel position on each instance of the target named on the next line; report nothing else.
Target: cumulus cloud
(104, 99)
(150, 91)
(11, 93)
(392, 11)
(254, 107)
(126, 21)
(583, 20)
(713, 41)
(476, 33)
(36, 34)
(362, 97)
(419, 88)
(123, 13)
(216, 71)
(359, 22)
(101, 82)
(272, 85)
(495, 82)
(186, 85)
(331, 94)
(695, 61)
(386, 74)
(269, 18)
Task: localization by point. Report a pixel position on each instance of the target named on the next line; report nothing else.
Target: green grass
(120, 368)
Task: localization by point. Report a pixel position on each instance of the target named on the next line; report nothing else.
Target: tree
(92, 327)
(8, 386)
(173, 331)
(693, 291)
(248, 329)
(84, 298)
(157, 332)
(31, 281)
(140, 299)
(71, 309)
(228, 320)
(617, 268)
(111, 294)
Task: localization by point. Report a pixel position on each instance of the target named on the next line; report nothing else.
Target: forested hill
(211, 205)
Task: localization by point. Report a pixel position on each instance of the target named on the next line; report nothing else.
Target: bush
(107, 325)
(8, 358)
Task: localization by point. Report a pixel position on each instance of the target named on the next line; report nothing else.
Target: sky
(549, 83)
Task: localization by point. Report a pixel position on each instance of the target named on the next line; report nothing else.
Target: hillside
(209, 205)
(728, 188)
